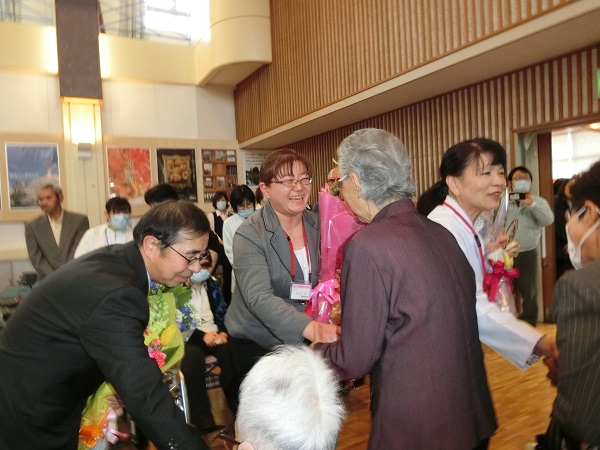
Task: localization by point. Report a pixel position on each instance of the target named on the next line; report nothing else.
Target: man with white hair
(288, 400)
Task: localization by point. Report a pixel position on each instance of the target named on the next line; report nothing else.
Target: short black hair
(160, 193)
(240, 194)
(171, 221)
(454, 163)
(586, 187)
(118, 204)
(520, 169)
(218, 196)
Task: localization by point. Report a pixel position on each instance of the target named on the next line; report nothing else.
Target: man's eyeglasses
(293, 182)
(200, 257)
(227, 435)
(578, 214)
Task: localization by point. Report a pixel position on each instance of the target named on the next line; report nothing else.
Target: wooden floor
(522, 400)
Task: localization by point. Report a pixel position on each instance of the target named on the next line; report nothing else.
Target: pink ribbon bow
(491, 282)
(327, 291)
(111, 434)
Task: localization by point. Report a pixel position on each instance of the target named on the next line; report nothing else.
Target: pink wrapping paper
(338, 224)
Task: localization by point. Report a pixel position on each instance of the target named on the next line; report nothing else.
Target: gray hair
(289, 401)
(380, 162)
(54, 187)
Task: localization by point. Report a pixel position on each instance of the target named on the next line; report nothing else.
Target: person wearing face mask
(217, 219)
(576, 309)
(209, 338)
(117, 230)
(532, 213)
(243, 202)
(220, 214)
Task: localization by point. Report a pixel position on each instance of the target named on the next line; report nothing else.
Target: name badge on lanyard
(299, 291)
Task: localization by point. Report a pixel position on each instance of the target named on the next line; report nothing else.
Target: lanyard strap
(472, 230)
(293, 255)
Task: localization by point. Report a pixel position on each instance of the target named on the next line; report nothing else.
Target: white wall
(574, 152)
(31, 105)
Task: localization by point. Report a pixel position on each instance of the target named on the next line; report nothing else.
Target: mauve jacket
(408, 319)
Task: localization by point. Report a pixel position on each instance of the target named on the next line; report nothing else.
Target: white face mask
(245, 213)
(120, 221)
(221, 205)
(522, 186)
(200, 277)
(575, 252)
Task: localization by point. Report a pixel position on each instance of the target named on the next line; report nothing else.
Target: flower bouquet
(171, 314)
(338, 224)
(498, 283)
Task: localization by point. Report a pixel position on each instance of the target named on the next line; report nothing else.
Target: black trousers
(193, 369)
(245, 353)
(526, 284)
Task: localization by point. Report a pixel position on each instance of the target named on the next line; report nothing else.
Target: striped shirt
(576, 309)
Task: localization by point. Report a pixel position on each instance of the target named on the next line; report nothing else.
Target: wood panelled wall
(327, 50)
(556, 92)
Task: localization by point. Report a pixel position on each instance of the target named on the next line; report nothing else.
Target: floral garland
(171, 313)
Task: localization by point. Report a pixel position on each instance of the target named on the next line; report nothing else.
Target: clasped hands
(321, 332)
(212, 338)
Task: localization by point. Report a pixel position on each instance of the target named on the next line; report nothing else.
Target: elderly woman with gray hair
(408, 296)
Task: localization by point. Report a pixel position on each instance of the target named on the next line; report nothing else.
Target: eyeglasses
(578, 214)
(293, 182)
(227, 435)
(191, 261)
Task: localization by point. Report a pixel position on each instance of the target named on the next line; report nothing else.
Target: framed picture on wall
(177, 167)
(219, 169)
(30, 166)
(252, 162)
(129, 173)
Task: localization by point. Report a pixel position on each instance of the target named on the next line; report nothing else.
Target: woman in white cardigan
(472, 181)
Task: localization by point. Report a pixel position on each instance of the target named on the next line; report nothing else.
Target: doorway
(560, 154)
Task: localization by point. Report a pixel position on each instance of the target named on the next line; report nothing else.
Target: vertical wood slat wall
(327, 50)
(556, 92)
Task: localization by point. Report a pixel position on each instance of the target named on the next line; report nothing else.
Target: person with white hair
(408, 309)
(289, 400)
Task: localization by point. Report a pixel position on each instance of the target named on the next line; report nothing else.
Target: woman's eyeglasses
(293, 182)
(227, 435)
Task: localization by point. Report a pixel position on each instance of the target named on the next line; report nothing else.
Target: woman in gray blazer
(276, 263)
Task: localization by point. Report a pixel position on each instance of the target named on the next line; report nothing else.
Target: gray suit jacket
(261, 309)
(43, 252)
(576, 308)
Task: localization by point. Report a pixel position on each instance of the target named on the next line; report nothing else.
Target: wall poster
(252, 163)
(30, 166)
(177, 167)
(219, 172)
(129, 174)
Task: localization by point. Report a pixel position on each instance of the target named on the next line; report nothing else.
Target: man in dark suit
(84, 324)
(53, 237)
(576, 308)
